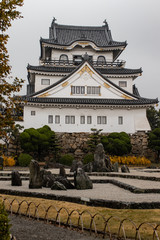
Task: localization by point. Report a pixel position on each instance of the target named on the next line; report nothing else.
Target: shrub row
(131, 160)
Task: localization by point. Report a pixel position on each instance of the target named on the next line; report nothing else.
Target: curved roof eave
(113, 45)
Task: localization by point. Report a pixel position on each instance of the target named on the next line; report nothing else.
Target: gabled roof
(136, 99)
(65, 35)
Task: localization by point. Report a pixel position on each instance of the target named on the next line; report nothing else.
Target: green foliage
(116, 143)
(94, 139)
(88, 158)
(37, 141)
(66, 159)
(154, 140)
(153, 116)
(24, 159)
(4, 224)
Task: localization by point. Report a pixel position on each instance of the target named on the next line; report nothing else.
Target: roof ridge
(80, 27)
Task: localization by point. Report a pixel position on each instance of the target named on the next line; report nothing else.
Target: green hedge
(4, 224)
(88, 158)
(24, 159)
(66, 159)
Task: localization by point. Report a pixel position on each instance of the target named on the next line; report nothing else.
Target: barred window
(123, 83)
(93, 90)
(57, 119)
(77, 89)
(101, 120)
(45, 81)
(89, 119)
(69, 119)
(50, 119)
(82, 119)
(120, 120)
(33, 113)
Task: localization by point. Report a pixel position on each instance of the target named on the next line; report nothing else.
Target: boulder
(58, 186)
(76, 164)
(65, 182)
(48, 178)
(16, 178)
(88, 167)
(82, 180)
(62, 171)
(108, 164)
(99, 159)
(125, 169)
(115, 167)
(35, 178)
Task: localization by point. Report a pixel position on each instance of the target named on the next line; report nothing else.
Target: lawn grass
(138, 216)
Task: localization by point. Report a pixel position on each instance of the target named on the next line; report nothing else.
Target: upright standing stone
(35, 178)
(99, 159)
(16, 178)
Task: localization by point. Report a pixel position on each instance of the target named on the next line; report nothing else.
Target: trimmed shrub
(117, 143)
(24, 159)
(4, 224)
(66, 159)
(131, 160)
(88, 158)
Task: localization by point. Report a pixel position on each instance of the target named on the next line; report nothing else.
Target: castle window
(93, 90)
(89, 119)
(50, 119)
(69, 119)
(120, 120)
(101, 120)
(57, 119)
(82, 119)
(45, 81)
(77, 89)
(63, 58)
(101, 60)
(122, 83)
(33, 113)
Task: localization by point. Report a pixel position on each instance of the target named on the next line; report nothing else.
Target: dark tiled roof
(106, 71)
(89, 101)
(119, 70)
(66, 35)
(51, 69)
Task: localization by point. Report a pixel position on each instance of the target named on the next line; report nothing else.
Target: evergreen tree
(153, 116)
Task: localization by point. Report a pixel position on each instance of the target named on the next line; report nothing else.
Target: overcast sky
(137, 21)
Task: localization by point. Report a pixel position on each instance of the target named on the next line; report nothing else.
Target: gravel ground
(100, 191)
(29, 229)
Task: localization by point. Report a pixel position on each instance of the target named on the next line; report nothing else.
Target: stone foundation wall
(76, 144)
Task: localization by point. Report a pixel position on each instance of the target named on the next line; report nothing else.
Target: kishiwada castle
(80, 84)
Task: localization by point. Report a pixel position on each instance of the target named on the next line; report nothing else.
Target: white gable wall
(38, 78)
(129, 81)
(84, 77)
(133, 119)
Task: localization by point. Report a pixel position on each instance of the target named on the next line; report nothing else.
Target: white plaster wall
(133, 120)
(38, 78)
(129, 81)
(81, 51)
